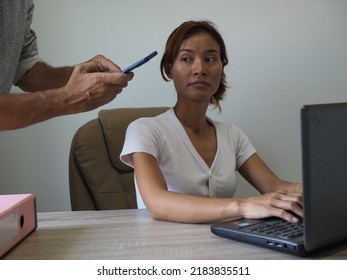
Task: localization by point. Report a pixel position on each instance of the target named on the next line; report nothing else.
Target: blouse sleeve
(141, 136)
(244, 148)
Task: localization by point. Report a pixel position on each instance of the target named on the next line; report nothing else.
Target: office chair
(98, 180)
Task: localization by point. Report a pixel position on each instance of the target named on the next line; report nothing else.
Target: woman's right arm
(171, 206)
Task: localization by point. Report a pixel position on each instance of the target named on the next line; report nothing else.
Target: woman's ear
(169, 74)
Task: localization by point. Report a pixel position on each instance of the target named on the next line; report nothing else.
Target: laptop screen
(324, 163)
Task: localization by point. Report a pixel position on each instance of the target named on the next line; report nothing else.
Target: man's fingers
(98, 64)
(104, 64)
(117, 78)
(87, 67)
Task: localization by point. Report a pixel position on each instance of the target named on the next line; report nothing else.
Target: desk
(132, 234)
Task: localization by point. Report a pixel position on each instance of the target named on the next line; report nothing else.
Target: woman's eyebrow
(191, 51)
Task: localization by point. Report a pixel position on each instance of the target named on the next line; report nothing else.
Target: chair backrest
(98, 179)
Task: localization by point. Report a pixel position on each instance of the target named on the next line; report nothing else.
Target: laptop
(324, 172)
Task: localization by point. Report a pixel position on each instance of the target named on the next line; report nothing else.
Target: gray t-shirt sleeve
(29, 54)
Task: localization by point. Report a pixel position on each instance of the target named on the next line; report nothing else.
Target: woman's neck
(192, 118)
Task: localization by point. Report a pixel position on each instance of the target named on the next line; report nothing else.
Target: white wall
(283, 54)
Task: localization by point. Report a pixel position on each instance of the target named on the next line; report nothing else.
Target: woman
(185, 163)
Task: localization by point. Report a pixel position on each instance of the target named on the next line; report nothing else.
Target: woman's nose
(199, 66)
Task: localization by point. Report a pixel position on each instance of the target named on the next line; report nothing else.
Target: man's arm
(90, 85)
(43, 77)
(20, 110)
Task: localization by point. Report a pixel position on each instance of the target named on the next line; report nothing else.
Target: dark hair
(175, 40)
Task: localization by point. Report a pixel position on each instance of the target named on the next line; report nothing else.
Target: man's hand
(93, 84)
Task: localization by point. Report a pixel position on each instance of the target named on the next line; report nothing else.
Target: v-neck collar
(190, 147)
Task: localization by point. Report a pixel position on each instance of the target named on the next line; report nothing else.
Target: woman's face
(197, 69)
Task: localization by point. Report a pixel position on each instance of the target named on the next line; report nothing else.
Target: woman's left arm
(260, 176)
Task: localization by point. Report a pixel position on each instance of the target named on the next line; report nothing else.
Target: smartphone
(140, 62)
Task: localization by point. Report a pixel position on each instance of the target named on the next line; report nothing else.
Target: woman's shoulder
(153, 121)
(226, 126)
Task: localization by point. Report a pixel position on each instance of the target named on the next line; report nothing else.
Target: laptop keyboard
(278, 228)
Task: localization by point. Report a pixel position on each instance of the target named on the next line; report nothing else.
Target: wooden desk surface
(132, 234)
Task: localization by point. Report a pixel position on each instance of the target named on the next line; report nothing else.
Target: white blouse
(185, 171)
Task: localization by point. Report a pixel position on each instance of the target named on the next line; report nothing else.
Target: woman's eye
(211, 59)
(186, 59)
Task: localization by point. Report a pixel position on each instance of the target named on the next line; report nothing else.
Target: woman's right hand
(283, 204)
